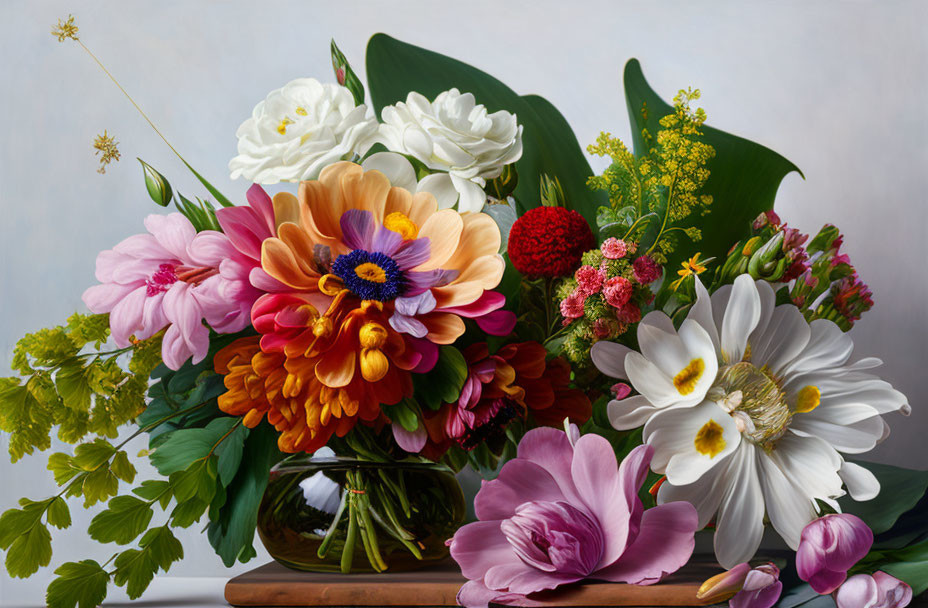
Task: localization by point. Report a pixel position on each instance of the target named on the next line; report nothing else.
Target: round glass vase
(337, 514)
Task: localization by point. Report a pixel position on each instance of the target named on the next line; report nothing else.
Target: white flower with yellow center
(749, 409)
(457, 137)
(299, 129)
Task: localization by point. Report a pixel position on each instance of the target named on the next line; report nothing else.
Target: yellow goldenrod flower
(65, 29)
(106, 147)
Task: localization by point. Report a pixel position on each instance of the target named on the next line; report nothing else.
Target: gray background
(837, 87)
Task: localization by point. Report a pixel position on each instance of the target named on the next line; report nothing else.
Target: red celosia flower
(646, 270)
(549, 242)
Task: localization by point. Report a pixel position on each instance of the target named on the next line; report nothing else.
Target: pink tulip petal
(893, 589)
(759, 598)
(429, 352)
(486, 303)
(518, 482)
(859, 591)
(664, 544)
(411, 441)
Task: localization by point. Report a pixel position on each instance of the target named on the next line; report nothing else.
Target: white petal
(828, 347)
(840, 413)
(811, 464)
(395, 166)
(852, 438)
(657, 319)
(740, 523)
(787, 506)
(784, 336)
(440, 186)
(705, 494)
(673, 432)
(630, 413)
(650, 381)
(609, 358)
(472, 198)
(741, 317)
(701, 312)
(768, 302)
(861, 483)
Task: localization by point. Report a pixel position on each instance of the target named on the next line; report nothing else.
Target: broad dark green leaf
(911, 566)
(395, 68)
(187, 445)
(743, 181)
(443, 383)
(900, 491)
(79, 584)
(232, 533)
(229, 454)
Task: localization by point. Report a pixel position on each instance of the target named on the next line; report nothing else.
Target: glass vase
(337, 514)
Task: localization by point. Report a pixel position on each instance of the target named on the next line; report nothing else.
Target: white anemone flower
(750, 409)
(299, 129)
(457, 137)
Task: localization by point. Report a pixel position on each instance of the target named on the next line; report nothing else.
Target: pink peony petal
(519, 481)
(479, 546)
(551, 450)
(210, 248)
(486, 303)
(664, 544)
(126, 316)
(173, 232)
(143, 247)
(103, 298)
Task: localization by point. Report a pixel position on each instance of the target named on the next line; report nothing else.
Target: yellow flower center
(689, 376)
(710, 440)
(301, 111)
(371, 272)
(762, 400)
(808, 399)
(400, 223)
(282, 127)
(372, 335)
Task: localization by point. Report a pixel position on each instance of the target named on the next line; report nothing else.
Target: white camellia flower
(456, 136)
(299, 129)
(749, 409)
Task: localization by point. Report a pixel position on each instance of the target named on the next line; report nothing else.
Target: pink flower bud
(613, 248)
(340, 75)
(723, 586)
(829, 547)
(762, 588)
(877, 591)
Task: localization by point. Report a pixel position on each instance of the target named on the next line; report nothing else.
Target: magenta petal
(358, 229)
(497, 323)
(551, 450)
(245, 231)
(632, 473)
(429, 352)
(474, 594)
(826, 581)
(851, 541)
(595, 474)
(530, 580)
(759, 598)
(664, 544)
(259, 200)
(411, 441)
(519, 481)
(479, 546)
(486, 303)
(386, 241)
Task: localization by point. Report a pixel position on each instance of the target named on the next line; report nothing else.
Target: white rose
(299, 129)
(457, 136)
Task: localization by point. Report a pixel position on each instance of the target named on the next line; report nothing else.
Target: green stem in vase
(396, 532)
(330, 533)
(352, 537)
(387, 505)
(369, 534)
(398, 490)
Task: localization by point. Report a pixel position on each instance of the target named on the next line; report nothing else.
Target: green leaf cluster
(62, 383)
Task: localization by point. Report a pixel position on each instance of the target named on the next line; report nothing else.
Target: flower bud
(866, 591)
(762, 588)
(552, 194)
(345, 75)
(504, 185)
(158, 187)
(827, 238)
(723, 586)
(829, 547)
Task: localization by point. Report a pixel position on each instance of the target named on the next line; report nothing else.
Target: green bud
(158, 187)
(345, 75)
(552, 195)
(762, 262)
(504, 185)
(824, 239)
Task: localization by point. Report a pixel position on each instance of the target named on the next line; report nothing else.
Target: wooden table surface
(274, 585)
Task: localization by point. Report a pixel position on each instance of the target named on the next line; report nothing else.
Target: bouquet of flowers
(626, 358)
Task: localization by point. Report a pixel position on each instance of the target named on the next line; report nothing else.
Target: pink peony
(572, 305)
(589, 279)
(618, 291)
(646, 270)
(828, 547)
(613, 248)
(877, 591)
(562, 512)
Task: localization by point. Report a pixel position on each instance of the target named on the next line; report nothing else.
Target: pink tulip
(829, 547)
(877, 591)
(560, 513)
(744, 587)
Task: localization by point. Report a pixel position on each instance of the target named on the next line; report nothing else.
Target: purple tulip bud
(829, 547)
(877, 591)
(762, 588)
(725, 585)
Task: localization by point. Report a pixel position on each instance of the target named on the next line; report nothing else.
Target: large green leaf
(900, 491)
(743, 179)
(395, 68)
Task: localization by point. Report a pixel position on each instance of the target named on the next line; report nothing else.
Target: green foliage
(443, 383)
(185, 446)
(79, 584)
(345, 75)
(135, 568)
(900, 491)
(80, 392)
(123, 520)
(395, 68)
(26, 539)
(743, 176)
